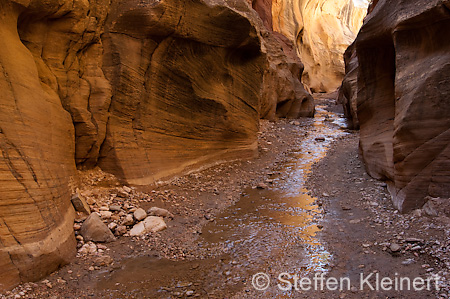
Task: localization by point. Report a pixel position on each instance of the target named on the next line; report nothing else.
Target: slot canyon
(224, 149)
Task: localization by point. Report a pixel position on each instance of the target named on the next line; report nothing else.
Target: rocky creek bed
(305, 205)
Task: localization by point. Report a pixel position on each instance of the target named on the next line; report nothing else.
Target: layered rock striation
(400, 98)
(145, 90)
(321, 31)
(283, 93)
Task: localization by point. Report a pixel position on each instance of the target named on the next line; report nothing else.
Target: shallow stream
(271, 229)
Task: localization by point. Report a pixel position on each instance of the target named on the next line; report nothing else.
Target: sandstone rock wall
(321, 30)
(348, 90)
(186, 88)
(37, 158)
(283, 93)
(146, 90)
(403, 94)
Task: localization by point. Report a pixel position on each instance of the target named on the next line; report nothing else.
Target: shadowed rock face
(403, 89)
(186, 87)
(283, 94)
(146, 90)
(321, 31)
(348, 90)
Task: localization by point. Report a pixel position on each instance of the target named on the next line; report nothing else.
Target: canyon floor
(304, 206)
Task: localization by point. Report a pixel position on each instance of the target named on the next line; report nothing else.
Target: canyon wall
(145, 90)
(400, 96)
(321, 31)
(282, 78)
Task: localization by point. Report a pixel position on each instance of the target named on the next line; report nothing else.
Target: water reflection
(272, 230)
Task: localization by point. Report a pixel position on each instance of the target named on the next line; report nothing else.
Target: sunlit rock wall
(321, 30)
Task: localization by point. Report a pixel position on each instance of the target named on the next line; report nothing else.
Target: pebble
(105, 214)
(261, 186)
(121, 230)
(112, 226)
(408, 262)
(129, 220)
(115, 208)
(189, 293)
(103, 261)
(155, 211)
(394, 247)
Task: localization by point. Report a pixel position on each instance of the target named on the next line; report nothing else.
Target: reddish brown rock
(283, 93)
(347, 95)
(264, 10)
(146, 90)
(186, 88)
(403, 92)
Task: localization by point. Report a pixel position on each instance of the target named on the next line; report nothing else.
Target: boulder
(129, 220)
(150, 224)
(139, 214)
(93, 229)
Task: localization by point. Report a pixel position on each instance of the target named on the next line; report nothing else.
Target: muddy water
(272, 229)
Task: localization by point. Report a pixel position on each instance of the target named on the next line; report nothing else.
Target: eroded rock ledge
(398, 89)
(146, 90)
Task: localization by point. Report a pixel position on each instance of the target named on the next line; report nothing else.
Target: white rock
(155, 211)
(150, 224)
(138, 229)
(127, 189)
(112, 226)
(129, 220)
(140, 214)
(105, 214)
(88, 248)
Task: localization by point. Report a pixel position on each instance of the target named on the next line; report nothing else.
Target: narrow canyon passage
(272, 226)
(225, 149)
(306, 208)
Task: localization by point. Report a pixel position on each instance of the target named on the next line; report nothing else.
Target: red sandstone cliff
(398, 89)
